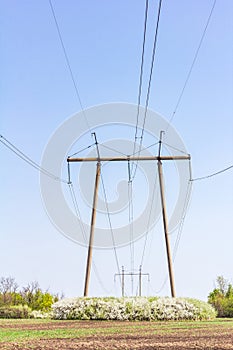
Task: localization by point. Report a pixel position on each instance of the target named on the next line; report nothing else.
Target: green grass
(12, 331)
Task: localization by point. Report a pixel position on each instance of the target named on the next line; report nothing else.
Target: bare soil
(127, 335)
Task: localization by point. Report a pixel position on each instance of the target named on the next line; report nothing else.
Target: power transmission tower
(134, 158)
(123, 274)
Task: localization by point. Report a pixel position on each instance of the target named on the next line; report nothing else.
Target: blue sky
(103, 41)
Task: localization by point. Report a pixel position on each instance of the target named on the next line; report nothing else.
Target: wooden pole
(140, 280)
(91, 239)
(123, 282)
(127, 159)
(165, 222)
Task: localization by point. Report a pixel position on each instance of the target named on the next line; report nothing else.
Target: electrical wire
(149, 85)
(141, 76)
(211, 175)
(81, 150)
(133, 171)
(192, 65)
(110, 223)
(152, 145)
(148, 222)
(77, 210)
(28, 160)
(176, 149)
(112, 149)
(131, 219)
(180, 230)
(106, 205)
(68, 63)
(184, 213)
(181, 225)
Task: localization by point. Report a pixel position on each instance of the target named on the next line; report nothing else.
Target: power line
(151, 70)
(211, 175)
(132, 176)
(179, 234)
(141, 75)
(83, 149)
(176, 149)
(68, 63)
(153, 144)
(106, 205)
(112, 149)
(77, 210)
(149, 85)
(192, 65)
(148, 223)
(183, 216)
(28, 160)
(131, 219)
(110, 223)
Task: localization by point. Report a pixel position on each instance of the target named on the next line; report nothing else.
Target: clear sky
(103, 40)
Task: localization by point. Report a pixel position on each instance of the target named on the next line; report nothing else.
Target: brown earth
(128, 335)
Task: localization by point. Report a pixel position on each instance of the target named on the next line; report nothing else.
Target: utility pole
(93, 219)
(165, 222)
(123, 282)
(158, 158)
(123, 274)
(91, 239)
(140, 280)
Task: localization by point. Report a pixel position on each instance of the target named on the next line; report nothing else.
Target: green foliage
(204, 311)
(12, 300)
(19, 311)
(221, 298)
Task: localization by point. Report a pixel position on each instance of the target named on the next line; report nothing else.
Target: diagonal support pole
(165, 226)
(91, 239)
(165, 222)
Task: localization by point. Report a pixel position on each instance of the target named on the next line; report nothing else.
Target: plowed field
(93, 335)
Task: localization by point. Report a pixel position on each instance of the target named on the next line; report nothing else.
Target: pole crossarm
(139, 274)
(130, 274)
(128, 158)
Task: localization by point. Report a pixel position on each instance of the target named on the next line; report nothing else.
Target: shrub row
(132, 309)
(22, 311)
(19, 311)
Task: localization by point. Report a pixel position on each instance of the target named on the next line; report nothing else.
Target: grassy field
(47, 334)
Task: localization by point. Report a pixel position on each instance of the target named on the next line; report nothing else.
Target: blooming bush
(132, 309)
(40, 314)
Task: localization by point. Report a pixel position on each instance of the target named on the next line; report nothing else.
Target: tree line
(30, 295)
(221, 298)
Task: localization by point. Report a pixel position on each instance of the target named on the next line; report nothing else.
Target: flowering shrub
(40, 314)
(132, 309)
